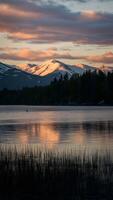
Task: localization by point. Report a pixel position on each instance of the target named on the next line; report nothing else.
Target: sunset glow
(73, 31)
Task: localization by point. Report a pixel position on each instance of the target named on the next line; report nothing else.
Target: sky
(72, 31)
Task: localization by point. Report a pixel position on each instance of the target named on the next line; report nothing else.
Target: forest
(90, 88)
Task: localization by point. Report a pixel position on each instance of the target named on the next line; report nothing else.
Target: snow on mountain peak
(51, 66)
(55, 67)
(23, 75)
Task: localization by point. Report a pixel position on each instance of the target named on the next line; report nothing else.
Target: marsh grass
(45, 174)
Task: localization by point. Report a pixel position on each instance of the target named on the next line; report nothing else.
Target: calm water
(88, 128)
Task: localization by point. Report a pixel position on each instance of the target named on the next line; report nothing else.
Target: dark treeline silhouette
(91, 88)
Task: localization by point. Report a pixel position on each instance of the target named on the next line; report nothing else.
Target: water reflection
(29, 134)
(48, 135)
(92, 135)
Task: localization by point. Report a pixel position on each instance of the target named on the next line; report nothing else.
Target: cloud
(31, 55)
(106, 58)
(87, 1)
(49, 23)
(68, 1)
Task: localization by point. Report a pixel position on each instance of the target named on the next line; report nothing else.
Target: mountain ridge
(30, 75)
(53, 65)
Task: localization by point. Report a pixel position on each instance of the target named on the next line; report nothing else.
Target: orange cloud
(23, 36)
(30, 55)
(26, 54)
(105, 58)
(48, 23)
(90, 14)
(9, 11)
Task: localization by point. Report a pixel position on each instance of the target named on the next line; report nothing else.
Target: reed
(45, 174)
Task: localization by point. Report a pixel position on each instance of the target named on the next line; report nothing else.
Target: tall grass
(43, 174)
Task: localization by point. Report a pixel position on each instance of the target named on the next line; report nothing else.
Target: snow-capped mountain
(30, 68)
(56, 68)
(29, 75)
(13, 78)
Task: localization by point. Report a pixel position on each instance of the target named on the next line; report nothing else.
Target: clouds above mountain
(36, 56)
(104, 58)
(50, 23)
(30, 55)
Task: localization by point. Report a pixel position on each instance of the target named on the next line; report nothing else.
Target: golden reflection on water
(79, 138)
(49, 134)
(90, 135)
(39, 133)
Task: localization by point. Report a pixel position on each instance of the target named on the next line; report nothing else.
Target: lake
(58, 127)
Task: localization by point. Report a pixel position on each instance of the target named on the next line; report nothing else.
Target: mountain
(29, 75)
(30, 68)
(13, 78)
(55, 68)
(4, 68)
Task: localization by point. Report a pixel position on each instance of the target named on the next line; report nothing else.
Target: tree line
(90, 88)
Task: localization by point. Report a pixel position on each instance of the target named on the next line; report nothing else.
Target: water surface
(88, 128)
